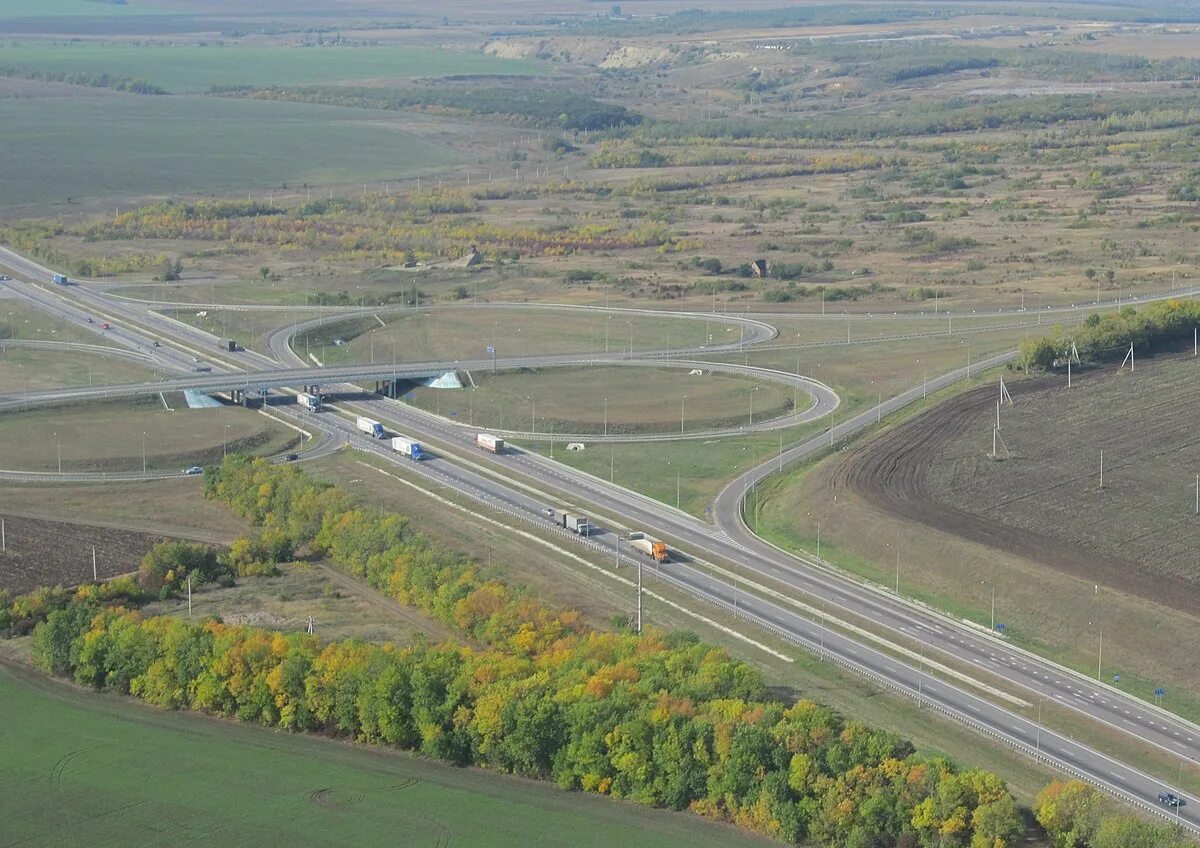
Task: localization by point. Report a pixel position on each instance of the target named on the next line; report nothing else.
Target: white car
(193, 470)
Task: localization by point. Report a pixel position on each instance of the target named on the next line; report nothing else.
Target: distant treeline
(1112, 115)
(1107, 337)
(546, 106)
(117, 83)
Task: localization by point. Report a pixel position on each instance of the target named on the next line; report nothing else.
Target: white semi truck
(310, 402)
(407, 447)
(488, 442)
(371, 427)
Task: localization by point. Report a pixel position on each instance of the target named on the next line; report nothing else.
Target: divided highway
(794, 617)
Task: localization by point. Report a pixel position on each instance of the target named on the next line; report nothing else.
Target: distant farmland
(196, 69)
(1044, 501)
(95, 143)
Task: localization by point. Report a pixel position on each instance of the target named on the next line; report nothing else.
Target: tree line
(1102, 338)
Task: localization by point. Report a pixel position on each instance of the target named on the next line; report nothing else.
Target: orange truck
(649, 546)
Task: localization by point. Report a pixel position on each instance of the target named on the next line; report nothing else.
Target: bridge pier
(387, 388)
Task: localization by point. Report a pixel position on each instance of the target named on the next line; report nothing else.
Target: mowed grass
(28, 369)
(196, 69)
(112, 145)
(108, 436)
(618, 399)
(85, 768)
(466, 333)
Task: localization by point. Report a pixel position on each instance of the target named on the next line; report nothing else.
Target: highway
(795, 617)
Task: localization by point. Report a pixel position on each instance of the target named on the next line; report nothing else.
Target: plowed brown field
(48, 553)
(1042, 498)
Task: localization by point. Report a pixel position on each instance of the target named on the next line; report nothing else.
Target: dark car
(292, 457)
(1169, 799)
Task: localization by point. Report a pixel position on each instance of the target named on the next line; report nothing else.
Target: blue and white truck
(59, 279)
(310, 402)
(371, 427)
(407, 447)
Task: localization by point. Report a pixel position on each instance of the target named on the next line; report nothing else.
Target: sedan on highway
(192, 470)
(1169, 799)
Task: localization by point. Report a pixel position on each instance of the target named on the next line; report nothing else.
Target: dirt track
(896, 473)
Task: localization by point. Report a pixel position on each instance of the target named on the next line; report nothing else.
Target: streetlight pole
(144, 450)
(606, 416)
(58, 446)
(683, 401)
(639, 596)
(1039, 727)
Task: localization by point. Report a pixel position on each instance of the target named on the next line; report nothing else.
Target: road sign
(1116, 678)
(1159, 692)
(491, 349)
(1001, 627)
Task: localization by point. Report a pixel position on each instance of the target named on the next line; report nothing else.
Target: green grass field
(616, 400)
(196, 69)
(108, 436)
(25, 369)
(173, 145)
(85, 768)
(467, 333)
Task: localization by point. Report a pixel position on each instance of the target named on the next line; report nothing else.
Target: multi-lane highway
(812, 596)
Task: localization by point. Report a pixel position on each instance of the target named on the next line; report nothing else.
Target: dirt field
(41, 552)
(1042, 499)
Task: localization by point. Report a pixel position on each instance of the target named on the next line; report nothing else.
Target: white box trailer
(488, 442)
(310, 402)
(407, 447)
(371, 427)
(572, 520)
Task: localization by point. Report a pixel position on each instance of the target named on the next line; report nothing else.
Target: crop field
(120, 773)
(466, 333)
(41, 552)
(109, 436)
(1042, 497)
(195, 145)
(923, 505)
(181, 70)
(629, 399)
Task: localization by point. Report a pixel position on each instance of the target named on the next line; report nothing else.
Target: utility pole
(95, 578)
(1100, 655)
(1101, 469)
(639, 596)
(189, 596)
(3, 537)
